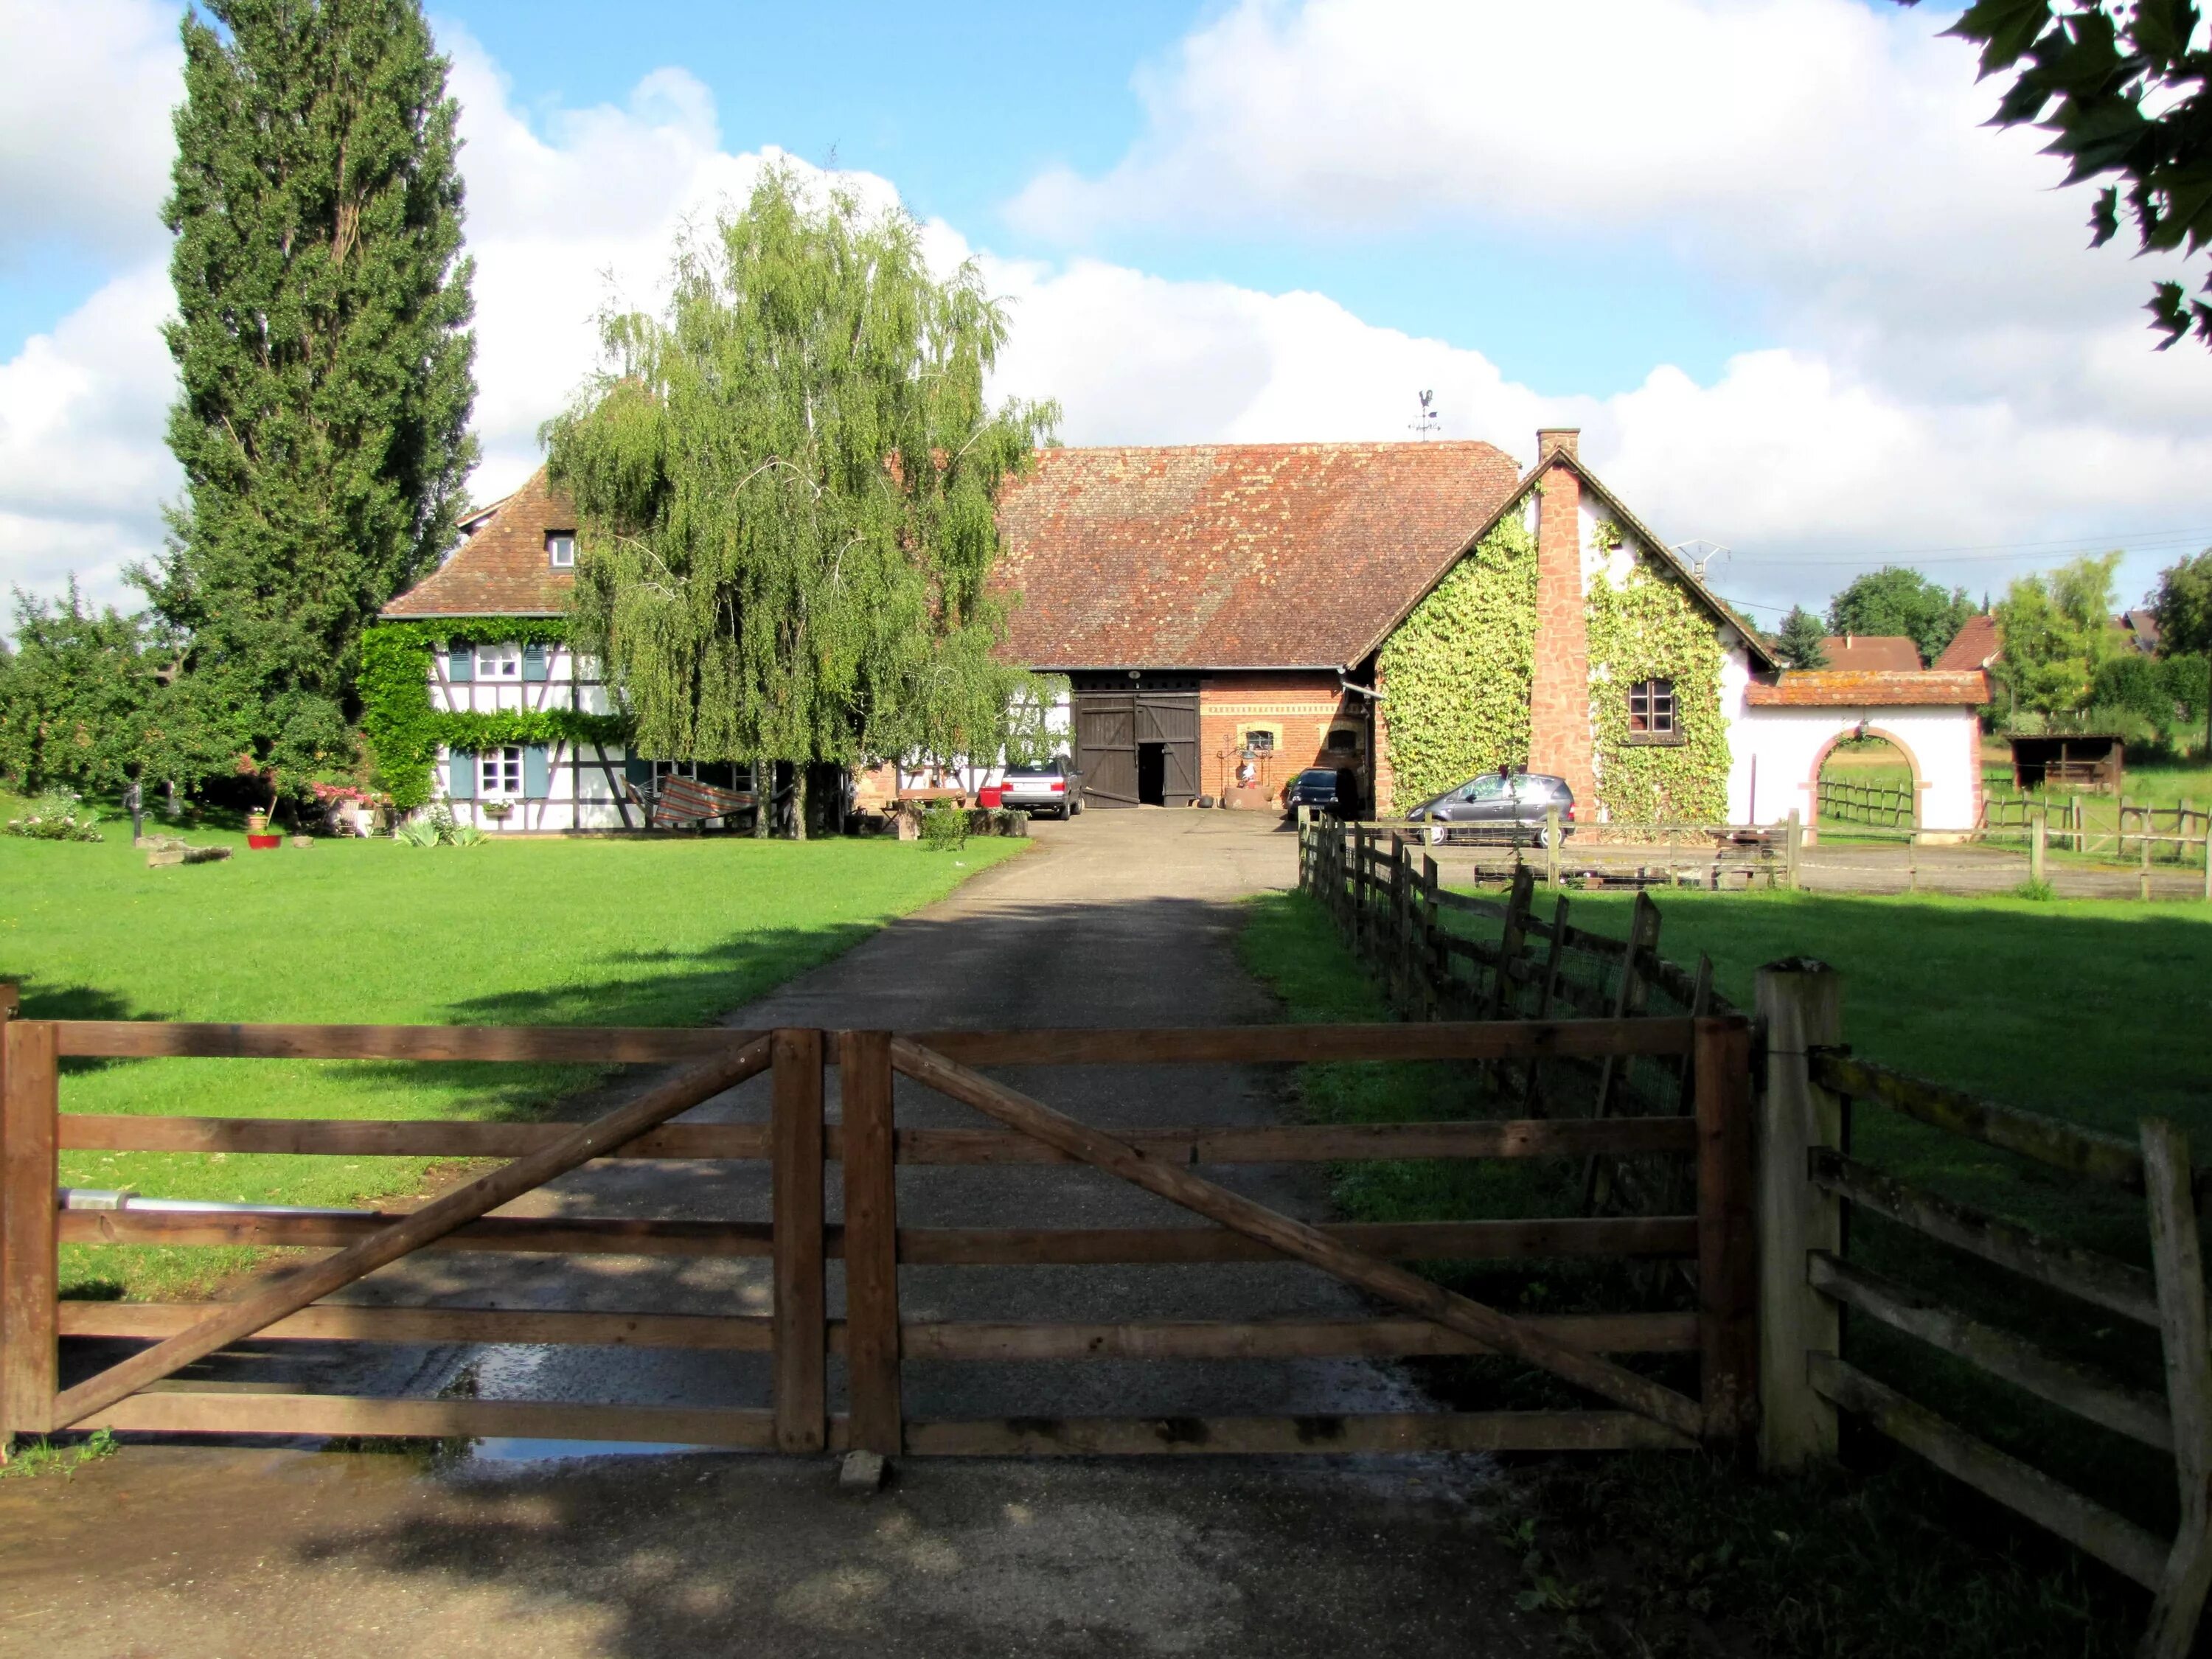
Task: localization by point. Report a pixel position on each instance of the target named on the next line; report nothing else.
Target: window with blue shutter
(534, 656)
(461, 775)
(461, 664)
(537, 772)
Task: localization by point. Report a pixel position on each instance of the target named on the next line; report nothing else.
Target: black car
(1498, 807)
(1326, 789)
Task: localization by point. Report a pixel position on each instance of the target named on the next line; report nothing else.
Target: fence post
(2143, 882)
(30, 1104)
(800, 1318)
(1801, 1005)
(1533, 1096)
(1793, 843)
(2177, 1257)
(1552, 837)
(2038, 833)
(1433, 967)
(1728, 1248)
(871, 1299)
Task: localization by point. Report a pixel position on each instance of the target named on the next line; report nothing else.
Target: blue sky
(962, 114)
(1801, 300)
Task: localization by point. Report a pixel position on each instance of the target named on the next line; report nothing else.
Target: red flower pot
(267, 843)
(990, 798)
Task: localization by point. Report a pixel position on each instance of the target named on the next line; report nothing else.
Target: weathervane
(1426, 426)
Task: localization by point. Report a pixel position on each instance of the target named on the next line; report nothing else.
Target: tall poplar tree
(786, 489)
(323, 354)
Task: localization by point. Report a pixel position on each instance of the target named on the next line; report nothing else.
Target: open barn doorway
(1151, 773)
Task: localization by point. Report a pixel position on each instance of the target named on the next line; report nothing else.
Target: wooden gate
(1106, 746)
(139, 1393)
(1170, 720)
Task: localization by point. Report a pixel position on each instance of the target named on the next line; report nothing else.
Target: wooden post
(2143, 881)
(1532, 1098)
(1913, 864)
(1800, 1004)
(872, 1299)
(2037, 834)
(1728, 1249)
(1433, 961)
(1629, 999)
(2177, 1258)
(30, 1104)
(1401, 919)
(2074, 817)
(1553, 836)
(1793, 842)
(801, 1309)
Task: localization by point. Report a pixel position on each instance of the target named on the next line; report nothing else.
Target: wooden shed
(2086, 760)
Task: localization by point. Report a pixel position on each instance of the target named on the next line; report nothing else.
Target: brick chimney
(1559, 714)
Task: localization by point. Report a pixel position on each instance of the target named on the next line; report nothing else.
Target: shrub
(944, 829)
(57, 816)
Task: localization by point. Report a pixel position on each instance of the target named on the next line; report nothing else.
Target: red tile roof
(1974, 646)
(501, 570)
(1825, 688)
(1234, 556)
(1871, 653)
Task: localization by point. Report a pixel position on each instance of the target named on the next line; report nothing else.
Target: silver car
(1056, 788)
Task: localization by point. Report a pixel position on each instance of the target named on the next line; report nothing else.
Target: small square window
(1651, 709)
(1260, 741)
(499, 662)
(1342, 740)
(499, 773)
(561, 549)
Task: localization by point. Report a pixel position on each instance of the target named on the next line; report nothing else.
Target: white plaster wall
(1783, 744)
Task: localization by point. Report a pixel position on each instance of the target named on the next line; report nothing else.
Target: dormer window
(561, 550)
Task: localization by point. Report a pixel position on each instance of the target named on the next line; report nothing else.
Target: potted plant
(496, 810)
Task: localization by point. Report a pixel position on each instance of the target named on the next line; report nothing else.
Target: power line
(2161, 541)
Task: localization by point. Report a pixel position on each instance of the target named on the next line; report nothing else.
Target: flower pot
(990, 798)
(263, 843)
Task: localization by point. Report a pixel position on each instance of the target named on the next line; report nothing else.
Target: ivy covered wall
(404, 732)
(1649, 628)
(1456, 674)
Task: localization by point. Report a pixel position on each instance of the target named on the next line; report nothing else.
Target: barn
(1415, 613)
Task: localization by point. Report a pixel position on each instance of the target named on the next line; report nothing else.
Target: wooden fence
(140, 1393)
(1810, 1181)
(1881, 805)
(2115, 828)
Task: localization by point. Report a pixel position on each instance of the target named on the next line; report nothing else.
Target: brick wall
(1559, 740)
(1300, 707)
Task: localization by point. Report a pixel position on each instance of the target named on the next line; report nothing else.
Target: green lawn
(2092, 1011)
(658, 932)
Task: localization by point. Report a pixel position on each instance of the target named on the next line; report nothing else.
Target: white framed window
(561, 549)
(499, 662)
(499, 774)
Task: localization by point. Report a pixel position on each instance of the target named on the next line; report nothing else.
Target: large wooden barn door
(1171, 719)
(1106, 746)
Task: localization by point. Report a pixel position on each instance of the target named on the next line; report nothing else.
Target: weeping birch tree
(785, 487)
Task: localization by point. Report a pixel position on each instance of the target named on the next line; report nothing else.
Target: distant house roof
(501, 570)
(1824, 688)
(2141, 627)
(1871, 653)
(1976, 645)
(1234, 556)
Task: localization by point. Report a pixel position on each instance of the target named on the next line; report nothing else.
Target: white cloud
(1901, 413)
(86, 91)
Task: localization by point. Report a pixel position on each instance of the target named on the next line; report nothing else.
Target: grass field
(659, 933)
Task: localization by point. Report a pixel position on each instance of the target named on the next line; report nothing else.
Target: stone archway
(1863, 729)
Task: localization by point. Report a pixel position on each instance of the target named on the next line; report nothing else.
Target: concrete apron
(1120, 918)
